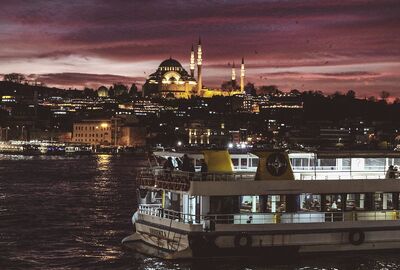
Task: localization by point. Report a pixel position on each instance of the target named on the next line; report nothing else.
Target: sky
(331, 45)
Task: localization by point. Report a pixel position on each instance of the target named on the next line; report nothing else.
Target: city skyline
(305, 45)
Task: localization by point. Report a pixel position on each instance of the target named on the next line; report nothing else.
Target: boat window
(310, 202)
(224, 204)
(272, 203)
(296, 162)
(383, 201)
(175, 201)
(246, 204)
(243, 162)
(312, 162)
(305, 162)
(235, 162)
(156, 197)
(328, 162)
(254, 162)
(375, 164)
(396, 161)
(346, 163)
(333, 203)
(276, 203)
(351, 202)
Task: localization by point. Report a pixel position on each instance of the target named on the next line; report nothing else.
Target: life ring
(242, 241)
(356, 237)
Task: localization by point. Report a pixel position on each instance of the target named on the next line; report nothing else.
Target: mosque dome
(170, 63)
(102, 91)
(170, 77)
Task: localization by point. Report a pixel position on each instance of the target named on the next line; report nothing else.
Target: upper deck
(341, 171)
(318, 166)
(244, 183)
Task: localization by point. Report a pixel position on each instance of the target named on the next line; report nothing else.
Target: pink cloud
(279, 36)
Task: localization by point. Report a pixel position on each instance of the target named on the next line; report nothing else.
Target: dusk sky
(332, 45)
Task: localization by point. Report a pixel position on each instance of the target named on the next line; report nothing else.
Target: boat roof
(192, 154)
(320, 154)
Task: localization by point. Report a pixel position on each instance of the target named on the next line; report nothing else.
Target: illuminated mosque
(171, 80)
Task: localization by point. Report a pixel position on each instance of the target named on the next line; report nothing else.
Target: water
(72, 212)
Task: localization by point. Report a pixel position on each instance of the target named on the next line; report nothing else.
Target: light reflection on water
(72, 212)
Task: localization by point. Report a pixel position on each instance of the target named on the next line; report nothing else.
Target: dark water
(72, 212)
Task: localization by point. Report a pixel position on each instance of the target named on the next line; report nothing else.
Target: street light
(22, 132)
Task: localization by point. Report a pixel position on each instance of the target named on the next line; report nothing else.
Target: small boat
(78, 149)
(224, 211)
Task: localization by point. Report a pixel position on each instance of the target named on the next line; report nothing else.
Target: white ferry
(257, 205)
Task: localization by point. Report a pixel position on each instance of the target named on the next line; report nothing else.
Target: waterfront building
(132, 136)
(95, 132)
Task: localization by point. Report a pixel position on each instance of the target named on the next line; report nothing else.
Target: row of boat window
(327, 203)
(344, 163)
(279, 203)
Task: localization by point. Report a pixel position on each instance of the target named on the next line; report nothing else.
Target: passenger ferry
(260, 205)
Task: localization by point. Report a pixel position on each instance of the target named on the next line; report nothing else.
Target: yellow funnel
(218, 161)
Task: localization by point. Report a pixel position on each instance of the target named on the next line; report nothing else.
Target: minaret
(199, 62)
(233, 74)
(192, 62)
(242, 76)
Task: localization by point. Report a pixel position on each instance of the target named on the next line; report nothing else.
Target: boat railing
(181, 179)
(150, 176)
(270, 218)
(339, 169)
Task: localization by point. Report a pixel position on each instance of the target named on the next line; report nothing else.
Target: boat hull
(166, 243)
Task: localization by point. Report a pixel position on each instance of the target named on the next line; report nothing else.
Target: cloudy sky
(320, 45)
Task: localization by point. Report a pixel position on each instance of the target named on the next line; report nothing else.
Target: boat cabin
(271, 193)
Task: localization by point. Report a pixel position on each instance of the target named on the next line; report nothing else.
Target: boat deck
(270, 218)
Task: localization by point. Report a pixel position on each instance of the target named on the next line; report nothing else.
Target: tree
(295, 92)
(229, 86)
(336, 94)
(351, 94)
(384, 95)
(89, 93)
(14, 77)
(133, 91)
(120, 89)
(269, 90)
(111, 92)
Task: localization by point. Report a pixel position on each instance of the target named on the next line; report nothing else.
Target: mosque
(171, 80)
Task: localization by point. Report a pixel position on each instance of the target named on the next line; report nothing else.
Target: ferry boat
(266, 209)
(18, 148)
